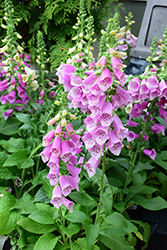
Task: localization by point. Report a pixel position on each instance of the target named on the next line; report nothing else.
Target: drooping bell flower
(66, 187)
(57, 199)
(58, 130)
(114, 144)
(88, 140)
(53, 177)
(101, 62)
(11, 97)
(105, 80)
(120, 130)
(163, 114)
(150, 153)
(46, 153)
(106, 117)
(91, 166)
(8, 113)
(48, 138)
(100, 134)
(133, 85)
(152, 82)
(68, 204)
(66, 152)
(19, 107)
(56, 147)
(54, 163)
(76, 81)
(21, 92)
(131, 136)
(157, 128)
(138, 109)
(74, 171)
(96, 151)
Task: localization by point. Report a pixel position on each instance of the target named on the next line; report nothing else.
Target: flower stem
(101, 188)
(132, 165)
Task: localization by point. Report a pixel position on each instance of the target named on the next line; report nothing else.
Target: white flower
(34, 85)
(128, 108)
(30, 72)
(71, 50)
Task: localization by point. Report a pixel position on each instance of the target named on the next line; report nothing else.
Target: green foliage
(55, 19)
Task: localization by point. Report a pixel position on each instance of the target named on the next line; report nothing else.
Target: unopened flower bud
(57, 117)
(81, 35)
(42, 66)
(3, 26)
(57, 103)
(19, 36)
(64, 112)
(113, 32)
(63, 122)
(73, 117)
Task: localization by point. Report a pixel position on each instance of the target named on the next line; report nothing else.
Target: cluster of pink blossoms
(104, 129)
(61, 148)
(14, 86)
(141, 91)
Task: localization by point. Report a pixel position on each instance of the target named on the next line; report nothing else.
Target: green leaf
(145, 229)
(82, 198)
(6, 174)
(92, 231)
(25, 118)
(142, 189)
(47, 187)
(120, 221)
(123, 162)
(8, 218)
(162, 155)
(13, 144)
(9, 127)
(142, 166)
(35, 227)
(76, 216)
(47, 241)
(74, 246)
(113, 238)
(17, 158)
(82, 243)
(107, 203)
(25, 204)
(3, 157)
(42, 216)
(161, 163)
(153, 204)
(41, 196)
(71, 229)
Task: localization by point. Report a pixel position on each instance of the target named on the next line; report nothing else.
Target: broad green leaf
(82, 198)
(8, 218)
(76, 216)
(71, 229)
(142, 189)
(42, 216)
(161, 163)
(92, 231)
(145, 229)
(25, 204)
(47, 187)
(17, 158)
(107, 203)
(83, 245)
(41, 196)
(74, 246)
(5, 174)
(35, 227)
(123, 162)
(65, 246)
(153, 204)
(3, 157)
(162, 155)
(27, 163)
(142, 166)
(47, 241)
(119, 206)
(120, 221)
(114, 239)
(9, 127)
(25, 118)
(13, 144)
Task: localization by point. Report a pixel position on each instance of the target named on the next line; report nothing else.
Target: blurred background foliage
(55, 19)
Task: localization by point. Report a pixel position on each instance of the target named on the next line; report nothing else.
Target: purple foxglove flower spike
(105, 80)
(8, 113)
(48, 138)
(53, 177)
(66, 152)
(54, 163)
(46, 153)
(66, 187)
